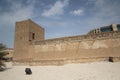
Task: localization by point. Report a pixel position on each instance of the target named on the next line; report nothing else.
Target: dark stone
(28, 71)
(110, 59)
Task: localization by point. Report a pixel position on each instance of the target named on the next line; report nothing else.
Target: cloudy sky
(60, 18)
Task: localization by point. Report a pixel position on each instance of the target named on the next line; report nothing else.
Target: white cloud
(56, 9)
(77, 12)
(18, 12)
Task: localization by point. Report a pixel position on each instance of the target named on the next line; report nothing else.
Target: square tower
(26, 32)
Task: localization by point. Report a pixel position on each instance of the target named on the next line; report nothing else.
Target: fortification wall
(31, 48)
(85, 48)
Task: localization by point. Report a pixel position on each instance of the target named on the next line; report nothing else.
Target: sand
(83, 71)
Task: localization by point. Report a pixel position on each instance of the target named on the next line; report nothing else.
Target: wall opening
(33, 36)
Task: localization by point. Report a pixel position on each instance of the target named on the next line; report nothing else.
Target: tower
(26, 33)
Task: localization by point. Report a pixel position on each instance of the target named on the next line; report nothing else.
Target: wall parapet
(106, 35)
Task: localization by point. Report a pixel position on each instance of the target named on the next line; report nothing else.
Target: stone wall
(31, 48)
(85, 48)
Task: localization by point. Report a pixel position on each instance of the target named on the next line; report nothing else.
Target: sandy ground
(83, 71)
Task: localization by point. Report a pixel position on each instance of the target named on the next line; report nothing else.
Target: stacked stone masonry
(73, 49)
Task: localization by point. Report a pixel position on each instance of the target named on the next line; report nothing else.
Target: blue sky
(60, 18)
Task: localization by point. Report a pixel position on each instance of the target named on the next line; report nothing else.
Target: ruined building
(31, 48)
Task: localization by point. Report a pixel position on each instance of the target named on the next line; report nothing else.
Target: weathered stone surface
(74, 49)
